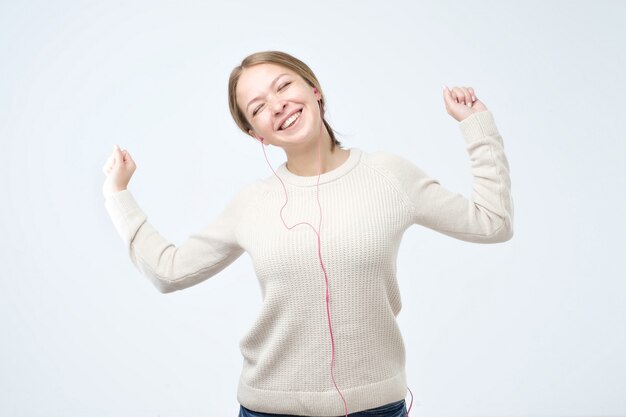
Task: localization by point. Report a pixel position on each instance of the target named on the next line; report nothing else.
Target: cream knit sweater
(367, 204)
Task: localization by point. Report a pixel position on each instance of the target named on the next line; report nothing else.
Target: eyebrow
(271, 85)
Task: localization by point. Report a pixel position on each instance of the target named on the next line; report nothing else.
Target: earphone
(319, 253)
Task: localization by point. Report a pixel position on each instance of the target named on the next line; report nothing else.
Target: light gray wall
(531, 327)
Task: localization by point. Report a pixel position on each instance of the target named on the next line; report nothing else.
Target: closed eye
(256, 110)
(283, 86)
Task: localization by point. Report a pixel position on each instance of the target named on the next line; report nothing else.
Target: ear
(259, 138)
(318, 95)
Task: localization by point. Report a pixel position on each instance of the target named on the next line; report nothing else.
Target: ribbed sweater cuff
(478, 125)
(126, 214)
(124, 202)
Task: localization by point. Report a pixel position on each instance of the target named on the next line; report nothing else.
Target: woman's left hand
(461, 102)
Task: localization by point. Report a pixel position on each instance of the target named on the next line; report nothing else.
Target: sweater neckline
(308, 181)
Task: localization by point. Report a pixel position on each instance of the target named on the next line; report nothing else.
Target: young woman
(323, 233)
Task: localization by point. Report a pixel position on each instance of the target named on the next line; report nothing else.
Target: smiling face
(281, 106)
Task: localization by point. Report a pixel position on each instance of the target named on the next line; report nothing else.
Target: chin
(302, 138)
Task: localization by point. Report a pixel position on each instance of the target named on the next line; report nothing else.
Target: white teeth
(290, 121)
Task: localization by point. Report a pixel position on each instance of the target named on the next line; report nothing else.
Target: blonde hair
(286, 61)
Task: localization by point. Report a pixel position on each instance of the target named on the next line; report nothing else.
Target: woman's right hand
(118, 168)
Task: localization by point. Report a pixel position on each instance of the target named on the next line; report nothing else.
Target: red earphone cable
(319, 253)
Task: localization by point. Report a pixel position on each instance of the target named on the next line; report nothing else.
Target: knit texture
(367, 204)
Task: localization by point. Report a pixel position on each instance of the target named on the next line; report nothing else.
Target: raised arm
(169, 267)
(487, 216)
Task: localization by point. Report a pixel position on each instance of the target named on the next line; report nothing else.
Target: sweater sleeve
(486, 217)
(169, 267)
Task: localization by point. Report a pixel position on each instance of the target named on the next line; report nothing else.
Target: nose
(277, 105)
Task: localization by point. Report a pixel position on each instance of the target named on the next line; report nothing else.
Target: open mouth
(291, 120)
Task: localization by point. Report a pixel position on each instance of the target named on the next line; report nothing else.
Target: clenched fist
(461, 102)
(118, 168)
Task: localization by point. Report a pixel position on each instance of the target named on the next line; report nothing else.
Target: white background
(531, 327)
